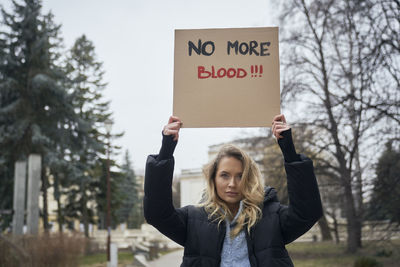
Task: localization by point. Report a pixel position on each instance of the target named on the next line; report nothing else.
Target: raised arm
(305, 206)
(158, 208)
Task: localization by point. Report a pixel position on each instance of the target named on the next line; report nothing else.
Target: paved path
(173, 259)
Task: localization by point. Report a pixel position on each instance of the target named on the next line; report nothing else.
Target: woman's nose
(232, 182)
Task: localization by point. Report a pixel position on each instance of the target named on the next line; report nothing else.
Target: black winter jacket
(203, 239)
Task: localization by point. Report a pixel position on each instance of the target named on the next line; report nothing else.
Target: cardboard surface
(226, 77)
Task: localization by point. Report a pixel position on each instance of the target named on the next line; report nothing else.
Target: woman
(239, 223)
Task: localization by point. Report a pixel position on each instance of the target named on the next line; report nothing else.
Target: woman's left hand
(279, 125)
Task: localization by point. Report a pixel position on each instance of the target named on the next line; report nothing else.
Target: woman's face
(227, 179)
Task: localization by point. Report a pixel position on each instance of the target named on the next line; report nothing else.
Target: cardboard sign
(226, 77)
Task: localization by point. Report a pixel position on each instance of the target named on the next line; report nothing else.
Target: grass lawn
(328, 254)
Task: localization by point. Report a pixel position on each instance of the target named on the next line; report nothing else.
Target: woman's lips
(232, 194)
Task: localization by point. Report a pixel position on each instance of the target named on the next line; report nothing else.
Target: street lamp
(108, 124)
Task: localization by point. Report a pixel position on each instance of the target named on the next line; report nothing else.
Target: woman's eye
(224, 175)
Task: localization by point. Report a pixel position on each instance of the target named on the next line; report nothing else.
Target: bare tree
(333, 59)
(267, 154)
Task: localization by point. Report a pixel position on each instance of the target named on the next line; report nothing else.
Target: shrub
(384, 253)
(42, 251)
(366, 262)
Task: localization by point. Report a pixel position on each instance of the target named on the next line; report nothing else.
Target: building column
(19, 197)
(34, 172)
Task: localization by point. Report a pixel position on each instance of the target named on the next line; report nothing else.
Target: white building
(192, 186)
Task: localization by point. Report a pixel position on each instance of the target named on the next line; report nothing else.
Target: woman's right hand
(279, 125)
(173, 127)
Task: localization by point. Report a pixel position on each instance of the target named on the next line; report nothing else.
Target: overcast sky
(135, 40)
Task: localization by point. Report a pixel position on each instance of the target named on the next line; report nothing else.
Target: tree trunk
(353, 222)
(335, 229)
(354, 238)
(59, 216)
(360, 204)
(45, 182)
(85, 219)
(60, 219)
(324, 227)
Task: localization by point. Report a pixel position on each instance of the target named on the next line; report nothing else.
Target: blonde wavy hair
(250, 186)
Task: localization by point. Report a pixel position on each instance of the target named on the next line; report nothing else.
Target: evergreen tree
(35, 106)
(86, 85)
(7, 97)
(130, 210)
(385, 201)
